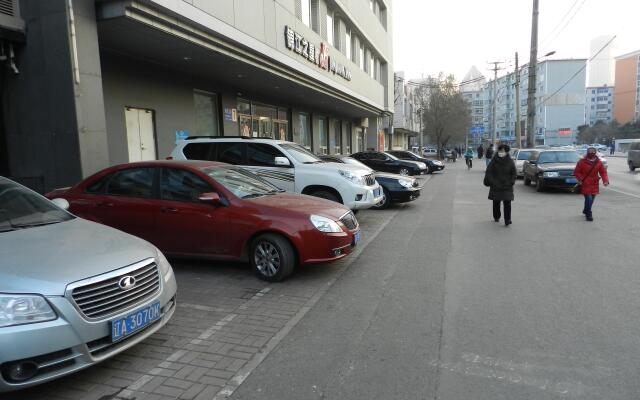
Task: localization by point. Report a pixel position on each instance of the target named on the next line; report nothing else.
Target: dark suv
(551, 169)
(385, 162)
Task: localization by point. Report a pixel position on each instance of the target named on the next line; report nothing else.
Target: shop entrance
(141, 141)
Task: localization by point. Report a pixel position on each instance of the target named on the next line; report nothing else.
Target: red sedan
(209, 209)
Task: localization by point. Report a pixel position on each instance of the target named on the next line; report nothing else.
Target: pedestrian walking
(588, 172)
(489, 154)
(500, 177)
(480, 152)
(612, 149)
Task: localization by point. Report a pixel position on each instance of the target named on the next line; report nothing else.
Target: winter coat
(480, 151)
(590, 183)
(500, 176)
(489, 153)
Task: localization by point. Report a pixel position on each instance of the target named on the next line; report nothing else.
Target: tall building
(602, 66)
(560, 102)
(472, 89)
(627, 92)
(406, 123)
(111, 81)
(599, 105)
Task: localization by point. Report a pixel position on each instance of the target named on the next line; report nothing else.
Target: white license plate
(356, 238)
(123, 327)
(571, 180)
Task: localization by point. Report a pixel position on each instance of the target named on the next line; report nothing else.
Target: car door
(377, 161)
(261, 160)
(128, 202)
(185, 225)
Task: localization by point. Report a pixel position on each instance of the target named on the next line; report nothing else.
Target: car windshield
(353, 161)
(524, 155)
(241, 183)
(301, 154)
(391, 156)
(20, 208)
(548, 157)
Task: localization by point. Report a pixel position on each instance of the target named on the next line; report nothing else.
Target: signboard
(318, 55)
(565, 131)
(230, 114)
(477, 130)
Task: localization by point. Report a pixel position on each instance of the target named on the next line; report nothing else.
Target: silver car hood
(46, 259)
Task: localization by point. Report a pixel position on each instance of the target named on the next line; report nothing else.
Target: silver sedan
(72, 292)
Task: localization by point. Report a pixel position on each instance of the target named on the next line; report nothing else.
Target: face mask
(502, 154)
(591, 155)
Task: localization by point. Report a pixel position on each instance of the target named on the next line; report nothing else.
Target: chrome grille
(106, 297)
(349, 220)
(370, 179)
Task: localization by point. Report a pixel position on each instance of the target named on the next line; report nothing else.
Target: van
(633, 155)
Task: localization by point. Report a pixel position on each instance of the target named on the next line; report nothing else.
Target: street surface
(438, 302)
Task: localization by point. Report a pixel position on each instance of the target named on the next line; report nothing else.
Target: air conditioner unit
(10, 16)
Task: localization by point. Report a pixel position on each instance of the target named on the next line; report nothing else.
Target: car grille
(565, 173)
(106, 297)
(349, 220)
(370, 179)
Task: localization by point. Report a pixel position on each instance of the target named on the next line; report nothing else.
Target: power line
(546, 39)
(546, 43)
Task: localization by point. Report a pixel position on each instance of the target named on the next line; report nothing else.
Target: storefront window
(302, 131)
(322, 135)
(335, 140)
(261, 120)
(349, 138)
(206, 113)
(359, 139)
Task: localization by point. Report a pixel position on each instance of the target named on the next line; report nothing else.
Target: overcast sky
(452, 35)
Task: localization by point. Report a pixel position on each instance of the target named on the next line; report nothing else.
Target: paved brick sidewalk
(226, 323)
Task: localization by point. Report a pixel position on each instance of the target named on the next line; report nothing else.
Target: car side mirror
(282, 162)
(62, 203)
(210, 197)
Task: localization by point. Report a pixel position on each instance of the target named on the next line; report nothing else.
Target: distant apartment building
(472, 90)
(406, 123)
(599, 104)
(560, 102)
(627, 91)
(601, 69)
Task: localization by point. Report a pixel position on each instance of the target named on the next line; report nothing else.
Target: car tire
(404, 171)
(539, 185)
(631, 166)
(324, 194)
(272, 257)
(385, 203)
(527, 181)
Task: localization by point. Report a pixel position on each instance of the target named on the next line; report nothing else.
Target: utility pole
(518, 128)
(421, 135)
(533, 66)
(495, 70)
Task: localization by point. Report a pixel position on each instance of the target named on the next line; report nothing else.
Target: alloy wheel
(404, 171)
(267, 258)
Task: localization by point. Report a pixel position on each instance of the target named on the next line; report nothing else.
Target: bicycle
(469, 162)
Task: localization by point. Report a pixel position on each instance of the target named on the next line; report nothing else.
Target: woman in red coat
(589, 171)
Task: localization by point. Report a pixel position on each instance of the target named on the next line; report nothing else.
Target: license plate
(571, 180)
(377, 192)
(356, 238)
(123, 327)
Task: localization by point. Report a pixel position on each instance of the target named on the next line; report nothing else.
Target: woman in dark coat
(500, 176)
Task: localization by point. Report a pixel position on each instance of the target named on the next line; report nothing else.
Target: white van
(288, 166)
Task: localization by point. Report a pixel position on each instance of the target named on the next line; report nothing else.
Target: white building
(599, 105)
(405, 117)
(472, 89)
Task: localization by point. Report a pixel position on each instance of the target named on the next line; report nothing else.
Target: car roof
(195, 164)
(210, 139)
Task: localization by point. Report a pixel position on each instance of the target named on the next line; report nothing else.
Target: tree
(445, 114)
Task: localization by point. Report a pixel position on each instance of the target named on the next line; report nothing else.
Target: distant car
(633, 155)
(214, 210)
(520, 156)
(397, 188)
(73, 293)
(432, 165)
(551, 169)
(385, 162)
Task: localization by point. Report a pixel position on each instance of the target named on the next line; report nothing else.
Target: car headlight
(422, 165)
(164, 266)
(408, 183)
(20, 309)
(551, 174)
(324, 224)
(357, 179)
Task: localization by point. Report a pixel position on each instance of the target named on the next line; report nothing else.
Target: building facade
(122, 80)
(406, 117)
(627, 91)
(472, 89)
(599, 104)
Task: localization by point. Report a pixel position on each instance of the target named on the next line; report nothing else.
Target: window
(335, 141)
(97, 187)
(181, 185)
(347, 44)
(322, 135)
(371, 4)
(200, 151)
(264, 155)
(330, 29)
(206, 111)
(361, 57)
(231, 153)
(302, 132)
(372, 67)
(134, 182)
(306, 12)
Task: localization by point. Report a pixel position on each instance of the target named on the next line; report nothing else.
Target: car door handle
(169, 210)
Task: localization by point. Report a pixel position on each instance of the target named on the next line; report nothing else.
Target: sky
(432, 36)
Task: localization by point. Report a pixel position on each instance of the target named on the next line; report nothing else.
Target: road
(447, 304)
(623, 180)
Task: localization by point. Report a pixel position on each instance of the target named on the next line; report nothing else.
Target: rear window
(200, 151)
(634, 146)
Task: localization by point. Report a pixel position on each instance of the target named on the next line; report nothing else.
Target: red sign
(564, 131)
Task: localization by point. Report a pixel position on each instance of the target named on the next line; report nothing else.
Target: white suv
(288, 166)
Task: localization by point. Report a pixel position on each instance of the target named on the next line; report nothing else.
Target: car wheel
(404, 171)
(272, 257)
(323, 194)
(631, 166)
(386, 201)
(539, 185)
(527, 181)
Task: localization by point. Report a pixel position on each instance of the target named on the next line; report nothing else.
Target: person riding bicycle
(468, 157)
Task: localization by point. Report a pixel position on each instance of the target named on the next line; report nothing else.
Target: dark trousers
(588, 203)
(507, 210)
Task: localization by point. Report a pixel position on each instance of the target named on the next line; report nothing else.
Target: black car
(397, 188)
(551, 169)
(432, 165)
(385, 162)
